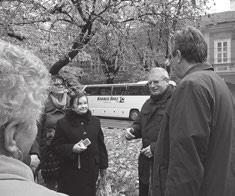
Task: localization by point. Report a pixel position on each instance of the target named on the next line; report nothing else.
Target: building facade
(219, 32)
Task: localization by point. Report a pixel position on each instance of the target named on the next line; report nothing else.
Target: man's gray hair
(161, 71)
(23, 84)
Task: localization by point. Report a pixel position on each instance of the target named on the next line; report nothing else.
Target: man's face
(157, 84)
(175, 64)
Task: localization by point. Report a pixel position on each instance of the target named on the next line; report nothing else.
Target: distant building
(232, 4)
(219, 32)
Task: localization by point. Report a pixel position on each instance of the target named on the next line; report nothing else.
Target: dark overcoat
(70, 130)
(194, 155)
(147, 127)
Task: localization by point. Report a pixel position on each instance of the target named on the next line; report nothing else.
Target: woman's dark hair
(75, 96)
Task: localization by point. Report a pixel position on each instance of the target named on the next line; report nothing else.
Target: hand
(79, 147)
(129, 135)
(147, 152)
(34, 161)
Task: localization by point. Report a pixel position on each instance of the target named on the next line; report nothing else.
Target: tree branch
(16, 35)
(81, 12)
(32, 22)
(177, 15)
(83, 38)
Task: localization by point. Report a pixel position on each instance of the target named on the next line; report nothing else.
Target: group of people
(66, 164)
(42, 127)
(187, 131)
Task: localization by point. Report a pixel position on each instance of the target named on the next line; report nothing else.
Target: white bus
(117, 100)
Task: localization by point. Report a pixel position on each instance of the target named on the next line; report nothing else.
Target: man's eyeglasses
(155, 82)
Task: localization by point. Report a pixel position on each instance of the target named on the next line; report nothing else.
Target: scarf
(59, 104)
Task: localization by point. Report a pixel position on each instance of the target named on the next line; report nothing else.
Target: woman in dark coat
(81, 165)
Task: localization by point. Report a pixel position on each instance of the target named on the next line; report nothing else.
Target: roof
(218, 18)
(115, 84)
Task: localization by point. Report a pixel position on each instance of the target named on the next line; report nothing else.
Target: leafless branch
(16, 35)
(79, 8)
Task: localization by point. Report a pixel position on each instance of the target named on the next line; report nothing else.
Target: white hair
(23, 84)
(161, 71)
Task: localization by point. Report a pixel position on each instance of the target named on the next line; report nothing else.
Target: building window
(221, 68)
(222, 51)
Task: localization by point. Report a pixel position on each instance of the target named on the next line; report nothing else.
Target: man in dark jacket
(147, 126)
(194, 155)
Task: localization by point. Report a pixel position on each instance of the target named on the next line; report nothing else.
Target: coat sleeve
(153, 146)
(189, 138)
(60, 144)
(103, 155)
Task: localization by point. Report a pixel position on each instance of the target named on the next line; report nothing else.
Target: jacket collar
(166, 95)
(75, 118)
(14, 169)
(199, 67)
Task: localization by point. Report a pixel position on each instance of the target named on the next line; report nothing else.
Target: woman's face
(80, 105)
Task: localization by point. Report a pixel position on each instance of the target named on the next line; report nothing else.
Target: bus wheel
(134, 114)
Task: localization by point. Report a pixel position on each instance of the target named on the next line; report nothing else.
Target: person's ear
(178, 56)
(9, 137)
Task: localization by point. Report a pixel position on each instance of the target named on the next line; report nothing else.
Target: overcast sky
(221, 5)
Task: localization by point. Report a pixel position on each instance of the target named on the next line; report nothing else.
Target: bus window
(119, 90)
(145, 90)
(137, 90)
(105, 90)
(92, 90)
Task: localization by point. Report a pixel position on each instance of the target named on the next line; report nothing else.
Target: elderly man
(194, 154)
(147, 126)
(23, 83)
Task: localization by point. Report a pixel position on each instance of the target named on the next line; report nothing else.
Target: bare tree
(67, 27)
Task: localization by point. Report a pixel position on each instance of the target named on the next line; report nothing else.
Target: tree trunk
(83, 38)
